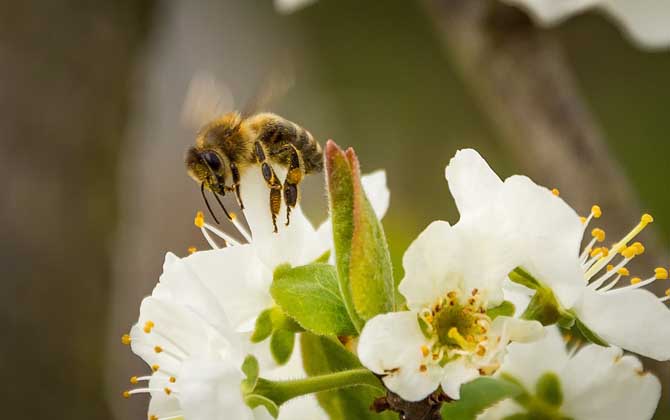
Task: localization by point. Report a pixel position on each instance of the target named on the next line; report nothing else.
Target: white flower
(546, 235)
(646, 22)
(596, 383)
(453, 276)
(290, 6)
(195, 357)
(240, 274)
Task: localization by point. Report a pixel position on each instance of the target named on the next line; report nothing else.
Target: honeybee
(234, 143)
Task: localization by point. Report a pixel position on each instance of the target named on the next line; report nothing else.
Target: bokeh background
(92, 139)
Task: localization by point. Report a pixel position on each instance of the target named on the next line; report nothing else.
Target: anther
(133, 380)
(423, 368)
(192, 250)
(199, 220)
(639, 248)
(667, 292)
(583, 219)
(172, 379)
(623, 271)
(556, 192)
(158, 349)
(646, 219)
(148, 326)
(661, 273)
(125, 339)
(635, 280)
(168, 391)
(599, 234)
(596, 211)
(155, 368)
(610, 267)
(152, 417)
(126, 394)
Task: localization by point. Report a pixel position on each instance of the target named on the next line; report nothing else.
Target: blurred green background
(92, 145)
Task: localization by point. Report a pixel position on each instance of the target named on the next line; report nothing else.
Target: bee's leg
(236, 184)
(296, 171)
(271, 180)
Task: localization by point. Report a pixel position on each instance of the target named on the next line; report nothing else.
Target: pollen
(629, 252)
(596, 211)
(556, 192)
(155, 368)
(635, 280)
(126, 394)
(192, 250)
(133, 380)
(199, 220)
(125, 339)
(158, 349)
(148, 326)
(423, 368)
(623, 271)
(425, 351)
(172, 379)
(639, 248)
(661, 273)
(599, 234)
(610, 267)
(168, 391)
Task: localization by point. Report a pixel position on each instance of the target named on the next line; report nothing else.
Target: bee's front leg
(236, 184)
(295, 174)
(272, 181)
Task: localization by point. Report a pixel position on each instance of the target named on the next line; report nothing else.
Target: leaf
(361, 252)
(504, 309)
(310, 294)
(281, 345)
(323, 355)
(477, 396)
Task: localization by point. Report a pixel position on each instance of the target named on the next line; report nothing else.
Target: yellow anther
(155, 368)
(623, 271)
(583, 219)
(596, 211)
(173, 379)
(429, 318)
(423, 368)
(646, 219)
(603, 252)
(152, 417)
(635, 280)
(556, 192)
(233, 216)
(158, 349)
(199, 220)
(148, 326)
(639, 248)
(661, 273)
(425, 351)
(126, 394)
(629, 252)
(458, 338)
(168, 391)
(192, 249)
(667, 292)
(133, 380)
(125, 339)
(599, 234)
(610, 267)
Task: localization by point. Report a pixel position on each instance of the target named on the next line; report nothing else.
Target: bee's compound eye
(212, 160)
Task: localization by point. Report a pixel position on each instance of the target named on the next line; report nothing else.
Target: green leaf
(310, 294)
(322, 355)
(544, 306)
(281, 345)
(263, 327)
(477, 396)
(504, 309)
(548, 389)
(362, 256)
(254, 401)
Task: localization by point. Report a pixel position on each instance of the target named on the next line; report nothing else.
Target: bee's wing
(206, 99)
(275, 84)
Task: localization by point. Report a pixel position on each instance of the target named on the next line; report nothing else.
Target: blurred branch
(526, 87)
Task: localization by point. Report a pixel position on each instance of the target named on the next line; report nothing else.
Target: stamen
(148, 326)
(598, 234)
(129, 393)
(556, 192)
(125, 339)
(458, 338)
(192, 250)
(635, 283)
(666, 297)
(425, 351)
(661, 273)
(243, 231)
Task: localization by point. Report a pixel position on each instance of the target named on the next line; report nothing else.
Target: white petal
(472, 182)
(162, 404)
(291, 6)
(454, 375)
(238, 279)
(432, 266)
(528, 361)
(614, 388)
(645, 21)
(548, 234)
(306, 407)
(374, 185)
(518, 330)
(634, 319)
(210, 390)
(501, 411)
(390, 344)
(549, 12)
(518, 295)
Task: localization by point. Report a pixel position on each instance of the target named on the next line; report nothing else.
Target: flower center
(456, 326)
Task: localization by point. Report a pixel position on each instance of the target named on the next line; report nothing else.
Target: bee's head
(207, 167)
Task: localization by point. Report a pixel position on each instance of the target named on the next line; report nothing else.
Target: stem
(282, 391)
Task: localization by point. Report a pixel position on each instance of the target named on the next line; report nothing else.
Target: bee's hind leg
(272, 182)
(294, 176)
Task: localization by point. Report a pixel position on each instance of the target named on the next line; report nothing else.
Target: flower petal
(615, 388)
(645, 21)
(390, 344)
(633, 319)
(432, 266)
(549, 12)
(374, 185)
(472, 182)
(454, 375)
(238, 280)
(503, 410)
(162, 404)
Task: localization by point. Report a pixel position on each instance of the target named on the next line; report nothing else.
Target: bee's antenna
(224, 209)
(204, 197)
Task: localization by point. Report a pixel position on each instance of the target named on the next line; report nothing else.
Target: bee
(233, 143)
